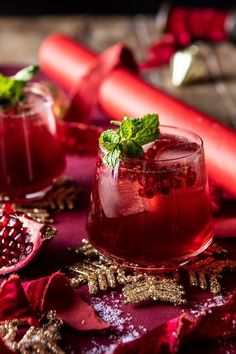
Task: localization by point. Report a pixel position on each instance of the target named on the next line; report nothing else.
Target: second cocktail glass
(31, 157)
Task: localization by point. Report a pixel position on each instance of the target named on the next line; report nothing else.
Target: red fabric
(218, 322)
(14, 302)
(225, 227)
(184, 25)
(55, 293)
(85, 95)
(4, 349)
(29, 301)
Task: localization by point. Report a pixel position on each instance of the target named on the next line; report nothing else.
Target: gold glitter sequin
(207, 272)
(158, 288)
(42, 340)
(62, 196)
(100, 274)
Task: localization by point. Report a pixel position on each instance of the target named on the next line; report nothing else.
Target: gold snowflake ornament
(101, 274)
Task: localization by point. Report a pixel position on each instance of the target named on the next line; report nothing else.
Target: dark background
(37, 7)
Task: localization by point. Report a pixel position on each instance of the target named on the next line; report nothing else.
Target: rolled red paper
(122, 92)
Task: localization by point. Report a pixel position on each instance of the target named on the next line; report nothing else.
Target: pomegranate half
(21, 237)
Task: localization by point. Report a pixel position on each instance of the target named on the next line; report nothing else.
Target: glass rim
(195, 138)
(39, 89)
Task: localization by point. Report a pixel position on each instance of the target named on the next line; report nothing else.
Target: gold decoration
(38, 214)
(8, 333)
(158, 288)
(48, 232)
(215, 249)
(189, 65)
(206, 273)
(41, 340)
(62, 196)
(101, 273)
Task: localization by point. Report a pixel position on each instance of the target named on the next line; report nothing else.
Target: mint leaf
(111, 158)
(128, 139)
(10, 92)
(129, 127)
(132, 149)
(149, 131)
(115, 122)
(109, 139)
(27, 73)
(12, 88)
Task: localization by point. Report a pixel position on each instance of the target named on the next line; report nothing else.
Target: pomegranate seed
(4, 242)
(14, 261)
(5, 232)
(151, 154)
(8, 209)
(20, 247)
(11, 222)
(28, 248)
(18, 225)
(191, 178)
(5, 220)
(19, 238)
(13, 253)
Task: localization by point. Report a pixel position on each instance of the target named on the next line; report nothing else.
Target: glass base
(27, 197)
(159, 267)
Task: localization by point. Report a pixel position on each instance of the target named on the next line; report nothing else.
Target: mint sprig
(128, 138)
(12, 87)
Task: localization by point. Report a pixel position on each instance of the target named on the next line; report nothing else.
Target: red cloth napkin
(214, 323)
(30, 301)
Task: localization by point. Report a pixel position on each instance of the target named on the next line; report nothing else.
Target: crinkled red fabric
(55, 293)
(4, 349)
(29, 301)
(84, 97)
(14, 302)
(184, 25)
(218, 322)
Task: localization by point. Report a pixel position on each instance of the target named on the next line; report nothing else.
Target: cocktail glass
(153, 212)
(31, 157)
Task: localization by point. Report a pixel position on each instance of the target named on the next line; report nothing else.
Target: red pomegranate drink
(31, 157)
(153, 211)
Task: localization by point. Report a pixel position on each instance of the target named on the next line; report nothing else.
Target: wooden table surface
(20, 38)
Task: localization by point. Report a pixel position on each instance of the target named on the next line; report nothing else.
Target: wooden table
(20, 38)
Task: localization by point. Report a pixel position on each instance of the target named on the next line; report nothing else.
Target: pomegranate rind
(38, 233)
